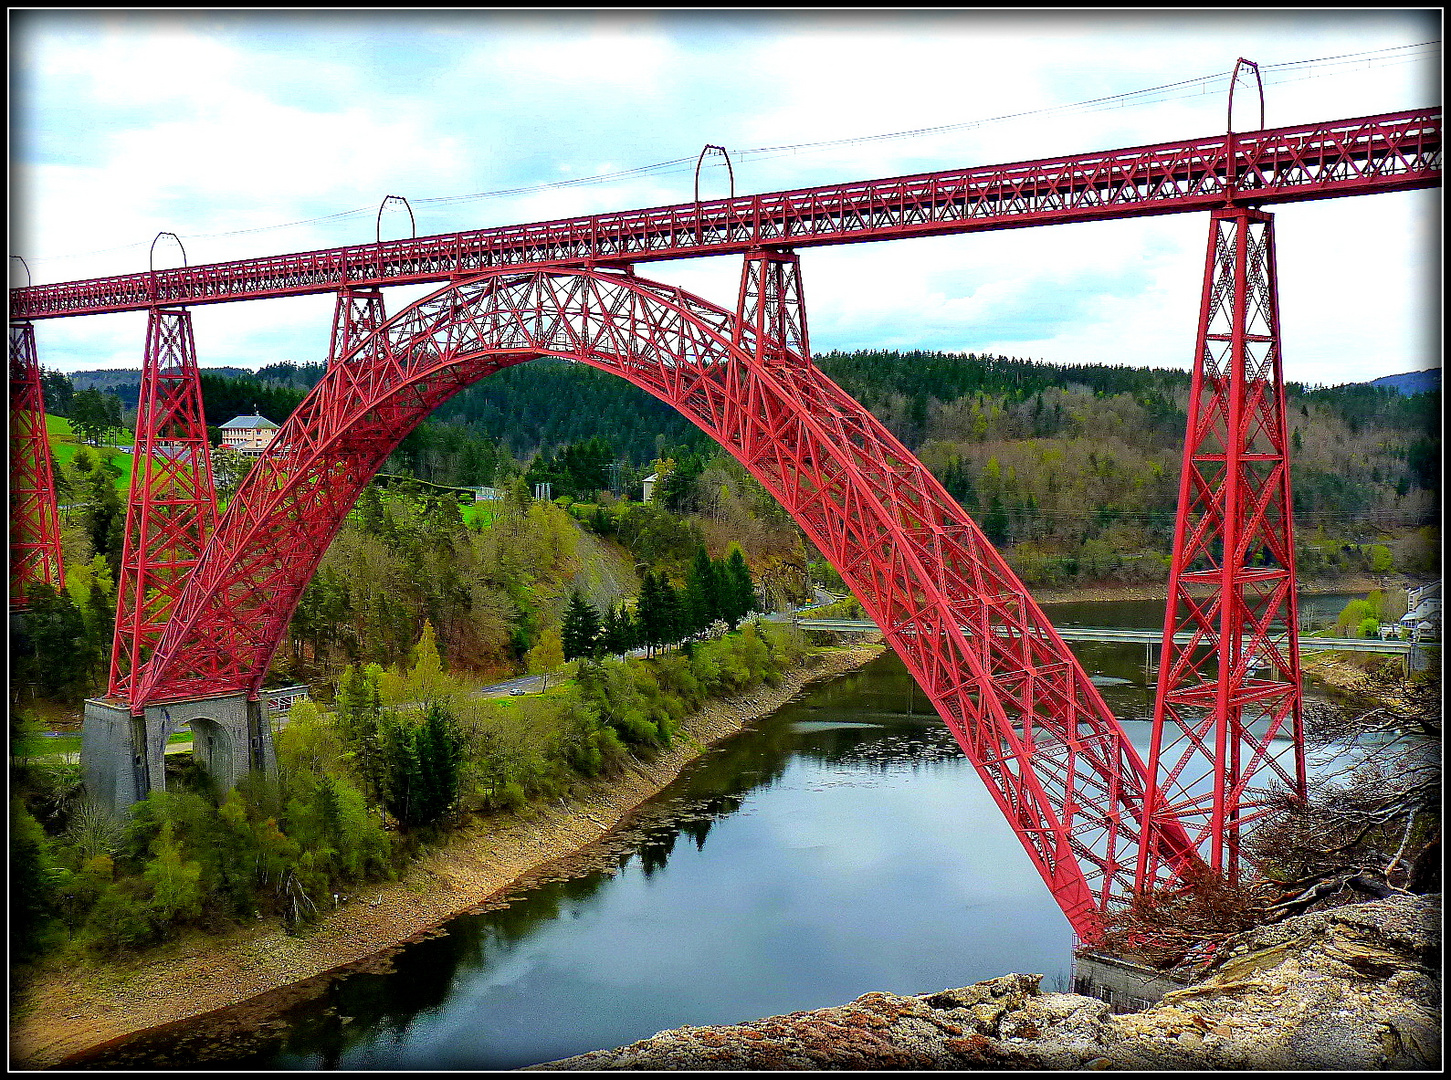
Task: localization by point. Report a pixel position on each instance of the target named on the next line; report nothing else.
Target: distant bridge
(1126, 636)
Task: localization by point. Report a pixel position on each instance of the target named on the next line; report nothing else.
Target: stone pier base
(1126, 986)
(123, 757)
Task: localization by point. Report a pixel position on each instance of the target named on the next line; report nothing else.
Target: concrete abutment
(123, 757)
(1127, 986)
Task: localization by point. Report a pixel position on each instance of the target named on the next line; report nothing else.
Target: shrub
(120, 918)
(176, 893)
(32, 881)
(1381, 561)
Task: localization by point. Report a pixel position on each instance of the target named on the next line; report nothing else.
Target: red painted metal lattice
(1390, 152)
(34, 523)
(998, 672)
(770, 309)
(172, 508)
(1227, 732)
(358, 314)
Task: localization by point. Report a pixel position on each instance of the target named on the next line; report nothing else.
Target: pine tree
(672, 617)
(101, 513)
(699, 605)
(427, 680)
(658, 611)
(617, 634)
(580, 631)
(54, 647)
(360, 716)
(402, 773)
(438, 751)
(32, 894)
(995, 524)
(718, 588)
(740, 591)
(649, 615)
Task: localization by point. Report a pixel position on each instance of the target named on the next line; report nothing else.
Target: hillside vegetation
(1072, 469)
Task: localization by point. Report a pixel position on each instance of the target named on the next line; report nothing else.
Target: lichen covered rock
(1351, 988)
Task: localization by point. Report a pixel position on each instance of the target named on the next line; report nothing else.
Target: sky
(251, 134)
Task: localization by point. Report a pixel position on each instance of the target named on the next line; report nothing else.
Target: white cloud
(581, 58)
(115, 60)
(134, 124)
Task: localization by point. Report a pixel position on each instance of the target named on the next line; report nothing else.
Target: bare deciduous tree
(1370, 828)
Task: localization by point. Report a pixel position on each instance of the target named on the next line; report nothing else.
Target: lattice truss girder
(35, 551)
(1056, 760)
(1391, 152)
(1231, 694)
(171, 510)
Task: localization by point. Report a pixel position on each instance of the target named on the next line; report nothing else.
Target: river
(840, 846)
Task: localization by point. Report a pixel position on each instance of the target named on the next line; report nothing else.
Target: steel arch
(1054, 757)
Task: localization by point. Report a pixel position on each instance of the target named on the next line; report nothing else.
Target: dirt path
(83, 1006)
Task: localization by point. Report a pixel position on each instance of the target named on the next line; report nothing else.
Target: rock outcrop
(1350, 988)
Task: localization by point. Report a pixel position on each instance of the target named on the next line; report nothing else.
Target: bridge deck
(1329, 159)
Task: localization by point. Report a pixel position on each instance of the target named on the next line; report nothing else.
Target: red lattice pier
(35, 556)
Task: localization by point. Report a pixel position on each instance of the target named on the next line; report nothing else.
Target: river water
(840, 846)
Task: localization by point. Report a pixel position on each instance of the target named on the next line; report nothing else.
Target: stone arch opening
(211, 749)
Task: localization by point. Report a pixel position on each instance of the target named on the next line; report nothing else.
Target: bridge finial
(151, 257)
(1234, 80)
(730, 172)
(412, 224)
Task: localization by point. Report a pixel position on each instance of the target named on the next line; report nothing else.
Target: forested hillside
(1073, 470)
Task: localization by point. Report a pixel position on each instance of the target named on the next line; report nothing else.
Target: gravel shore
(66, 1012)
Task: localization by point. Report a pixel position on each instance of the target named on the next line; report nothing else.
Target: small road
(528, 684)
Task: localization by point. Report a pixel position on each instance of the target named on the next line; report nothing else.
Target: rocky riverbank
(1352, 988)
(64, 1013)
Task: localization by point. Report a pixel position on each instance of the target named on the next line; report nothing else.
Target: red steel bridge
(204, 602)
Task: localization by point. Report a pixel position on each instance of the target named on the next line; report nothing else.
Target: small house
(1423, 618)
(249, 435)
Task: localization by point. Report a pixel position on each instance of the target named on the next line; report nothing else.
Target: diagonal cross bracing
(171, 508)
(35, 550)
(1216, 718)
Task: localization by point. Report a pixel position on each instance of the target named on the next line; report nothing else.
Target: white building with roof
(1423, 618)
(248, 435)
